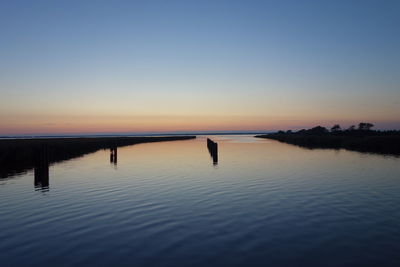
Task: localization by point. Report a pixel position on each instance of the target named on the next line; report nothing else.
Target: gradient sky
(134, 66)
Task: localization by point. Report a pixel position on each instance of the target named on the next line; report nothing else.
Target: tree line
(364, 128)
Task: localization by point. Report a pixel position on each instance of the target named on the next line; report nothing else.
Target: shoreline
(377, 144)
(20, 155)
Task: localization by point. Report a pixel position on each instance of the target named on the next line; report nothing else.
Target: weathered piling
(213, 150)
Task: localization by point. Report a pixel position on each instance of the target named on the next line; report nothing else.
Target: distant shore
(18, 155)
(380, 142)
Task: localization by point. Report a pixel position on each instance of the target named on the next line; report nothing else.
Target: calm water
(167, 204)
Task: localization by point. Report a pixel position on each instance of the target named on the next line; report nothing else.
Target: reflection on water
(113, 155)
(41, 175)
(41, 171)
(267, 203)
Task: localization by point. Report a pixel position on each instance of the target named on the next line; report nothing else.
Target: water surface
(168, 204)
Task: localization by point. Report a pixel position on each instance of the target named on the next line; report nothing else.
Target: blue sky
(236, 64)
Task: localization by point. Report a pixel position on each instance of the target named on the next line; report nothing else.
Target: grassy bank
(17, 155)
(368, 141)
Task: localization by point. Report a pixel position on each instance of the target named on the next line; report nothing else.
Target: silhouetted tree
(365, 126)
(302, 131)
(336, 128)
(351, 128)
(317, 130)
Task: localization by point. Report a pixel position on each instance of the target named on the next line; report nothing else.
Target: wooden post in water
(213, 150)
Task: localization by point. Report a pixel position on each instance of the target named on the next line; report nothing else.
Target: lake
(260, 203)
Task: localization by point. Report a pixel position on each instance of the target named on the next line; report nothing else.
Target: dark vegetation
(361, 138)
(18, 155)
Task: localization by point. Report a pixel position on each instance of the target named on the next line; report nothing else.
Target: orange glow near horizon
(139, 67)
(31, 124)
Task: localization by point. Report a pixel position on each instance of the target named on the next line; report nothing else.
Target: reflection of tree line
(20, 155)
(362, 139)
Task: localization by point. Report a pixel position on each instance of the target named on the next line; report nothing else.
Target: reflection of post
(215, 154)
(213, 150)
(113, 155)
(42, 169)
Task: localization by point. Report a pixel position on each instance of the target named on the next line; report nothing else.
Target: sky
(159, 66)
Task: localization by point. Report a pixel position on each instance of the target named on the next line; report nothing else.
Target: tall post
(213, 150)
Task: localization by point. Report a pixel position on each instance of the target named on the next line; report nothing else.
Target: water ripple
(165, 204)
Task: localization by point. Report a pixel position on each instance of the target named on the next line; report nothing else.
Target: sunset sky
(157, 66)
